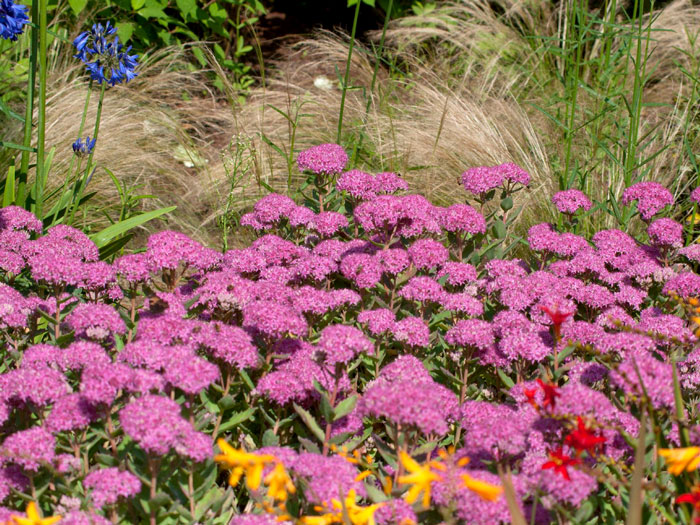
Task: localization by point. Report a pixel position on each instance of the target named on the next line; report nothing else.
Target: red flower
(559, 461)
(557, 317)
(530, 395)
(582, 439)
(693, 498)
(550, 393)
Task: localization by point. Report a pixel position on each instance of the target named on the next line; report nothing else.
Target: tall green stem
(89, 166)
(69, 173)
(41, 121)
(29, 111)
(358, 3)
(374, 76)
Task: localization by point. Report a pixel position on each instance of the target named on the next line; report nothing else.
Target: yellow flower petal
(485, 490)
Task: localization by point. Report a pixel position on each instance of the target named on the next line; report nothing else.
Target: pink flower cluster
(151, 355)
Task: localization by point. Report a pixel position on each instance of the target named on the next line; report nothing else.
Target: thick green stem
(347, 70)
(29, 111)
(41, 121)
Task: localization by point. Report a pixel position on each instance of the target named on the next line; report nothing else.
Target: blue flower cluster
(105, 61)
(12, 19)
(85, 149)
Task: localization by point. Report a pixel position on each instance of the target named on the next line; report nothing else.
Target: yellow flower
(279, 483)
(242, 462)
(325, 519)
(358, 515)
(33, 517)
(487, 491)
(419, 476)
(681, 459)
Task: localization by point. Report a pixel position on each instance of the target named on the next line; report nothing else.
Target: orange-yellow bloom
(420, 477)
(485, 490)
(279, 484)
(357, 514)
(681, 459)
(34, 518)
(242, 462)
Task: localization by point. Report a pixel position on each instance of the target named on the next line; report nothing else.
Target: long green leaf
(12, 145)
(9, 193)
(310, 422)
(101, 238)
(680, 408)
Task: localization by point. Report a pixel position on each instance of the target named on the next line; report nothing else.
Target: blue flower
(12, 19)
(93, 41)
(82, 150)
(105, 61)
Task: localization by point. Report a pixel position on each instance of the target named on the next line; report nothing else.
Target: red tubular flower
(530, 395)
(559, 461)
(582, 439)
(692, 498)
(550, 393)
(557, 317)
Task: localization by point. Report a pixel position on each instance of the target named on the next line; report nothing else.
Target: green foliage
(227, 24)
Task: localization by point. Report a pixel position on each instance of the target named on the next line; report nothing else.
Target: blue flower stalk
(105, 60)
(13, 18)
(82, 149)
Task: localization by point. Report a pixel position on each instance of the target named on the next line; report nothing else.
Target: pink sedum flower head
(570, 201)
(457, 273)
(695, 195)
(651, 198)
(378, 321)
(133, 267)
(686, 284)
(341, 343)
(324, 159)
(358, 184)
(14, 309)
(394, 260)
(273, 207)
(70, 412)
(692, 252)
(167, 250)
(110, 484)
(156, 424)
(273, 320)
(427, 254)
(16, 218)
(362, 269)
(326, 477)
(293, 379)
(422, 289)
(11, 477)
(389, 182)
(482, 179)
(301, 216)
(666, 233)
(462, 218)
(95, 321)
(29, 448)
(471, 333)
(327, 223)
(412, 331)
